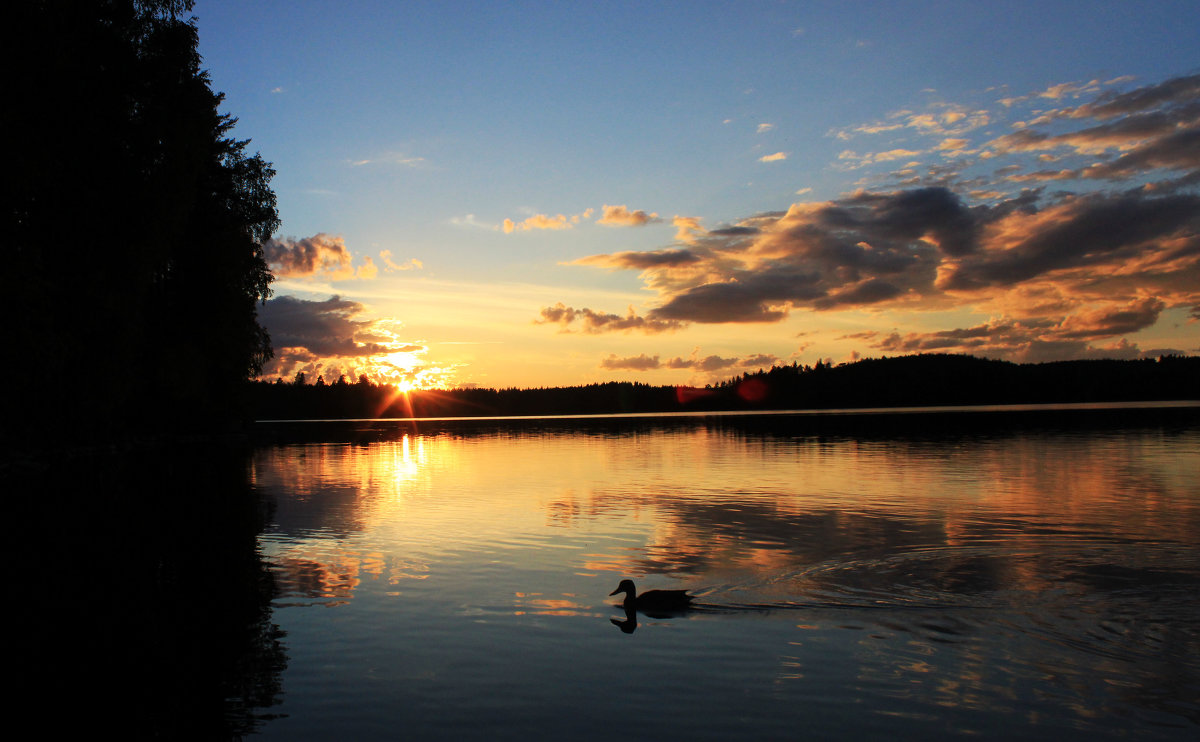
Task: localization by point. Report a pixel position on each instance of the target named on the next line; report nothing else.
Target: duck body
(652, 600)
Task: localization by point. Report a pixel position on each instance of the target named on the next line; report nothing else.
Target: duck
(652, 600)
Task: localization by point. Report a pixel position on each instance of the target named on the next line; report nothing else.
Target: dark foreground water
(1041, 582)
(900, 577)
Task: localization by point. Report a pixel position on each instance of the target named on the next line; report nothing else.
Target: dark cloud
(734, 231)
(642, 260)
(869, 291)
(761, 360)
(1100, 231)
(633, 363)
(708, 364)
(1034, 340)
(322, 328)
(934, 214)
(723, 302)
(1107, 105)
(598, 322)
(1045, 351)
(1153, 128)
(1179, 150)
(1044, 175)
(1110, 321)
(320, 255)
(864, 249)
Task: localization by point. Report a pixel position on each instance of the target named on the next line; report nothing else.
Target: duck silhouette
(653, 601)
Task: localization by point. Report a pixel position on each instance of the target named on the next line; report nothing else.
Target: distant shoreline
(904, 382)
(884, 421)
(811, 412)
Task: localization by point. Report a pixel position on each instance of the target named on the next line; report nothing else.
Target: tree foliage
(134, 219)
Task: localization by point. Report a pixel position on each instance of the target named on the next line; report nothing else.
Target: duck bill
(614, 592)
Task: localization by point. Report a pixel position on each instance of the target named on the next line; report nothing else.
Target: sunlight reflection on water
(1042, 582)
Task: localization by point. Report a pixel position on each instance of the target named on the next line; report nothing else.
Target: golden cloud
(621, 216)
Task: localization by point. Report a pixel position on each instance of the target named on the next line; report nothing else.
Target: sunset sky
(553, 193)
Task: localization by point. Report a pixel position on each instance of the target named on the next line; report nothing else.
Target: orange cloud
(544, 221)
(688, 229)
(412, 264)
(538, 221)
(621, 216)
(953, 144)
(367, 270)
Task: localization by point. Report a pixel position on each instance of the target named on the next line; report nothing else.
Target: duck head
(626, 587)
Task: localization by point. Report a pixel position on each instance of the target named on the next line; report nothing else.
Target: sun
(405, 385)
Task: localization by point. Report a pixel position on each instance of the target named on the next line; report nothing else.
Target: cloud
(1015, 337)
(711, 364)
(641, 260)
(323, 328)
(1105, 255)
(598, 322)
(1178, 90)
(761, 360)
(1017, 343)
(367, 270)
(633, 363)
(777, 157)
(688, 229)
(538, 221)
(1155, 127)
(320, 256)
(877, 157)
(708, 364)
(953, 144)
(1112, 262)
(1110, 320)
(412, 264)
(390, 158)
(329, 337)
(1104, 234)
(469, 220)
(544, 221)
(748, 300)
(620, 216)
(940, 119)
(764, 128)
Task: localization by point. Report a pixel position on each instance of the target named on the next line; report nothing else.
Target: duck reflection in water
(653, 603)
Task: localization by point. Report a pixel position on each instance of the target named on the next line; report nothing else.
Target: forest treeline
(919, 380)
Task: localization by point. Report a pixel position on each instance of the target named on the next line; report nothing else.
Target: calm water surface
(455, 584)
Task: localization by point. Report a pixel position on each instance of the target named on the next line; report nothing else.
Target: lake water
(440, 582)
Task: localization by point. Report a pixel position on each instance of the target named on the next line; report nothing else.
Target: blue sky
(468, 178)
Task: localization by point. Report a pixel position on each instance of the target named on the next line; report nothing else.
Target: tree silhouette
(133, 219)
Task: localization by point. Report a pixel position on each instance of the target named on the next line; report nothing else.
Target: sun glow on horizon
(404, 386)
